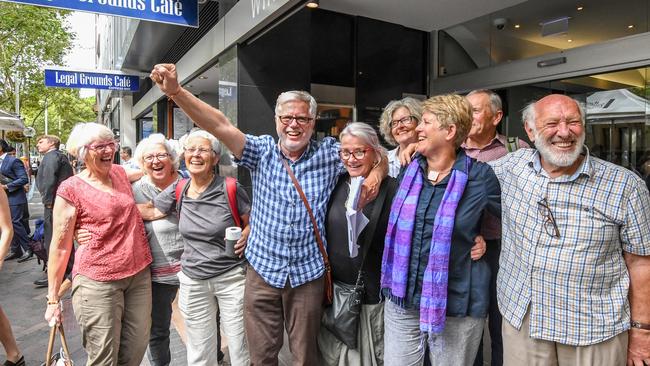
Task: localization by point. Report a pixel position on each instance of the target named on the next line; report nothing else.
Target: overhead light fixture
(631, 26)
(580, 8)
(551, 62)
(203, 77)
(517, 26)
(313, 4)
(569, 40)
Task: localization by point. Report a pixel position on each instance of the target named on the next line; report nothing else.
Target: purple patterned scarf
(397, 246)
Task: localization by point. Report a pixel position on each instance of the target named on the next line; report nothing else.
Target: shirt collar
(586, 167)
(305, 154)
(459, 164)
(4, 155)
(498, 139)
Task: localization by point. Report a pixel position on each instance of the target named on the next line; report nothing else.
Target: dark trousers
(268, 310)
(47, 228)
(494, 315)
(162, 296)
(20, 241)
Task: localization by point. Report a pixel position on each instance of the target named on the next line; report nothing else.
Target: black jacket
(54, 169)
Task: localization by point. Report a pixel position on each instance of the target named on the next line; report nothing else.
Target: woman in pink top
(111, 287)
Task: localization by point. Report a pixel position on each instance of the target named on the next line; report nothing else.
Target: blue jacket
(14, 170)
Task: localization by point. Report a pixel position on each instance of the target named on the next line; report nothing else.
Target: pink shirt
(118, 247)
(491, 226)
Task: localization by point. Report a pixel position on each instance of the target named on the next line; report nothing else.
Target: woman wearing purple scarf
(436, 294)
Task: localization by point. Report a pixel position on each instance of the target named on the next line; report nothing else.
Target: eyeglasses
(405, 121)
(358, 154)
(160, 157)
(301, 120)
(103, 147)
(200, 150)
(549, 221)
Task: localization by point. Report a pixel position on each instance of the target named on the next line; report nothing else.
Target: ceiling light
(313, 4)
(569, 40)
(203, 77)
(580, 8)
(517, 26)
(630, 26)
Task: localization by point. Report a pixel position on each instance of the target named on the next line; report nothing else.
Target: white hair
(84, 134)
(529, 114)
(296, 95)
(366, 133)
(495, 100)
(156, 139)
(216, 146)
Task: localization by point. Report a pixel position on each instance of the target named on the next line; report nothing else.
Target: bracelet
(52, 302)
(639, 325)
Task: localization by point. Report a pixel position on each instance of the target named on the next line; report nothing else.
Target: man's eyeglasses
(200, 150)
(405, 121)
(103, 147)
(358, 154)
(301, 120)
(160, 157)
(549, 221)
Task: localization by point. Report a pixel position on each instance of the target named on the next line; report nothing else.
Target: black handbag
(342, 317)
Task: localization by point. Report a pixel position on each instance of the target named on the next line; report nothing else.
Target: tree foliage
(32, 38)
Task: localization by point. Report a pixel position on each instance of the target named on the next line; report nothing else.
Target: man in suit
(54, 169)
(13, 181)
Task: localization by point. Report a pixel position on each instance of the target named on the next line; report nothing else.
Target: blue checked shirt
(282, 244)
(576, 285)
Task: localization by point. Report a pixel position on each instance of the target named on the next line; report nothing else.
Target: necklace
(434, 175)
(200, 189)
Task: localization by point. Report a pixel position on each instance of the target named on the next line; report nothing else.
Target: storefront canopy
(613, 104)
(10, 122)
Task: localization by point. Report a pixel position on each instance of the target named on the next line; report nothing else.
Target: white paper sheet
(357, 221)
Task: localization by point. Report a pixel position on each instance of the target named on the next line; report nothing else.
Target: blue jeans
(404, 342)
(162, 296)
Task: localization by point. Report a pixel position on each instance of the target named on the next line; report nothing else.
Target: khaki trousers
(115, 318)
(268, 310)
(519, 349)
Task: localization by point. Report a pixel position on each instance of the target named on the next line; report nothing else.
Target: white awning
(614, 104)
(10, 122)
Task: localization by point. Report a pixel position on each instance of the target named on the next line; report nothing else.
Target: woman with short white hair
(210, 278)
(111, 286)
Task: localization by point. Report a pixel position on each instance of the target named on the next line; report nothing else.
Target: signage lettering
(182, 12)
(257, 6)
(91, 80)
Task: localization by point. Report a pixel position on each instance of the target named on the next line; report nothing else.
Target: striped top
(576, 285)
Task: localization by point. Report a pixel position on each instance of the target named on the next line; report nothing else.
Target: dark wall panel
(332, 48)
(391, 60)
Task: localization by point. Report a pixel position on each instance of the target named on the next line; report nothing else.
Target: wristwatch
(638, 325)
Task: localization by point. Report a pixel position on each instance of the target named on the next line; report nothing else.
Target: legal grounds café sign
(181, 12)
(92, 80)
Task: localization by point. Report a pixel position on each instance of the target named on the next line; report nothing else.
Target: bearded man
(575, 260)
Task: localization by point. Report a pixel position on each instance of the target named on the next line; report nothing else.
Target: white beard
(558, 159)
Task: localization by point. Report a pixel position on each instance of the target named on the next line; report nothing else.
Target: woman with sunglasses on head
(210, 278)
(397, 126)
(360, 152)
(111, 286)
(436, 292)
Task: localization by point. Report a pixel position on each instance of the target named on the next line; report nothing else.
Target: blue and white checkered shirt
(282, 244)
(577, 284)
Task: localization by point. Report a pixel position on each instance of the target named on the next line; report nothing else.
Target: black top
(54, 169)
(344, 268)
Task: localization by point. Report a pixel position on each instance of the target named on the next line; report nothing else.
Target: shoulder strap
(512, 144)
(179, 192)
(319, 239)
(231, 189)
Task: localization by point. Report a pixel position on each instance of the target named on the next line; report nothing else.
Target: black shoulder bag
(342, 318)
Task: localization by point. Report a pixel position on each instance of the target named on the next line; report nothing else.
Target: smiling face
(200, 159)
(99, 156)
(294, 137)
(358, 167)
(404, 130)
(431, 136)
(157, 164)
(484, 121)
(559, 134)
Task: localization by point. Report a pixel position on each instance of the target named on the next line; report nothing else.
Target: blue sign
(182, 12)
(91, 80)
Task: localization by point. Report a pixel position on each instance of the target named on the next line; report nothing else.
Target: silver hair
(366, 133)
(296, 95)
(495, 100)
(84, 134)
(156, 139)
(216, 146)
(414, 107)
(528, 114)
